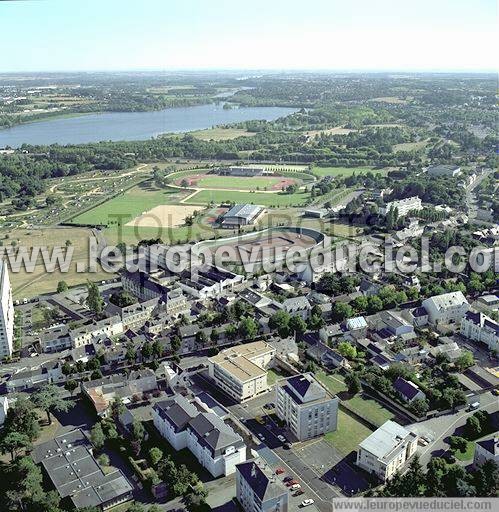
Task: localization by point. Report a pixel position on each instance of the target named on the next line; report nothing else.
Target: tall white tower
(6, 313)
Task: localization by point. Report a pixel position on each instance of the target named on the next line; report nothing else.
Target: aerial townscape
(225, 287)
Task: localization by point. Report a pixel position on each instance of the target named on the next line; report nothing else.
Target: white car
(306, 503)
(260, 436)
(295, 487)
(281, 438)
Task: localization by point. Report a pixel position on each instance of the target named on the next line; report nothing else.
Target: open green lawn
(349, 434)
(362, 405)
(133, 202)
(241, 183)
(222, 196)
(344, 171)
(273, 376)
(468, 454)
(334, 383)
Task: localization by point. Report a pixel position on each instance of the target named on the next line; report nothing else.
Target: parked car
(260, 420)
(281, 438)
(280, 471)
(295, 487)
(287, 478)
(299, 492)
(306, 503)
(261, 436)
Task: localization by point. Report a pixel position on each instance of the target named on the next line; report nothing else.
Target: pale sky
(67, 35)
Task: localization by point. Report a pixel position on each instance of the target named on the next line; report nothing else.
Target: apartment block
(259, 490)
(446, 308)
(6, 313)
(387, 450)
(214, 444)
(403, 206)
(306, 406)
(481, 328)
(241, 371)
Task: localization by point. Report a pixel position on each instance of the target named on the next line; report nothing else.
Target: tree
(353, 383)
(103, 459)
(62, 286)
(201, 338)
(472, 427)
(28, 488)
(175, 343)
(214, 336)
(465, 360)
(157, 350)
(347, 350)
(155, 455)
(13, 443)
(341, 311)
(117, 407)
(458, 443)
(50, 400)
(146, 350)
(297, 324)
(279, 321)
(97, 437)
(71, 386)
(419, 407)
(122, 299)
(248, 328)
(94, 299)
(22, 418)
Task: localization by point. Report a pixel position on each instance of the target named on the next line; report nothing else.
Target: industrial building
(241, 215)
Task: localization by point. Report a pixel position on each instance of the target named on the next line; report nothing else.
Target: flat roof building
(241, 215)
(241, 371)
(387, 450)
(403, 206)
(77, 477)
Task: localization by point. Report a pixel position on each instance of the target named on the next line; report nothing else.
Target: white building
(241, 371)
(259, 490)
(6, 313)
(4, 407)
(479, 327)
(403, 206)
(446, 308)
(387, 450)
(242, 215)
(306, 406)
(214, 444)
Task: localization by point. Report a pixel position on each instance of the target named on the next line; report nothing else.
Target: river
(132, 125)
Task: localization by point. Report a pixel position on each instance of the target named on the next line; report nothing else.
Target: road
(443, 426)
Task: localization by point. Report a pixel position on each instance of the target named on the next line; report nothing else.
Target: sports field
(125, 207)
(265, 199)
(242, 183)
(344, 171)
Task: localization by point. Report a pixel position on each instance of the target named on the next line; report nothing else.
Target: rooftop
(238, 360)
(261, 480)
(385, 442)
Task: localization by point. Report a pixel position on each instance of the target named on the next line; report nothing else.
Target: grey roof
(263, 483)
(74, 472)
(384, 442)
(178, 411)
(490, 444)
(245, 211)
(213, 433)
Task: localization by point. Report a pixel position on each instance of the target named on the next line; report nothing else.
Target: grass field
(349, 434)
(129, 205)
(344, 171)
(275, 199)
(468, 454)
(362, 405)
(241, 183)
(273, 376)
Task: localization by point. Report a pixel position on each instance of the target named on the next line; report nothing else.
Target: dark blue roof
(406, 388)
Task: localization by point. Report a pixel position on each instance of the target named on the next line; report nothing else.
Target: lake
(132, 125)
